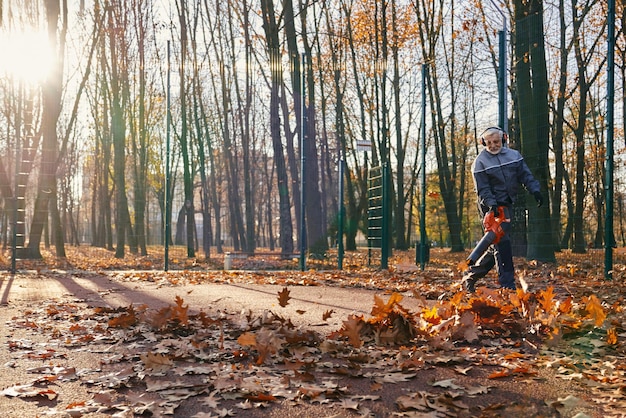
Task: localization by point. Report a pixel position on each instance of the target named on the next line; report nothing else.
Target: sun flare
(27, 56)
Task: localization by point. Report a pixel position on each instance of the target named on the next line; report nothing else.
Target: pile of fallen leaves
(154, 360)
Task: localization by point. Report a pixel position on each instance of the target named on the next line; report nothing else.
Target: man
(498, 172)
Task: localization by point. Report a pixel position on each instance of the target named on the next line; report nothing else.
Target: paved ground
(28, 291)
(306, 306)
(22, 292)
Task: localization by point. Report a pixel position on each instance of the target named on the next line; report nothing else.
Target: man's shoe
(469, 284)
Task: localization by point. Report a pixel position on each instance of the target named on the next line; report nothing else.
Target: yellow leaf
(430, 315)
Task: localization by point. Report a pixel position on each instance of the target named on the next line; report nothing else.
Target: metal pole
(423, 237)
(341, 215)
(15, 201)
(384, 238)
(167, 167)
(609, 238)
(503, 121)
(302, 167)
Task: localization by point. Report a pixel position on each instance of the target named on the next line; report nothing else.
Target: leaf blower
(493, 234)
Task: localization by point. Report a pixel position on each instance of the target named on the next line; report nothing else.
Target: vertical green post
(384, 239)
(609, 237)
(340, 214)
(303, 166)
(168, 117)
(423, 238)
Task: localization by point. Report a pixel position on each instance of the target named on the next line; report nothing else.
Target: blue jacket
(497, 177)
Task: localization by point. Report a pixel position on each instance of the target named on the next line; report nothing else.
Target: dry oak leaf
(327, 314)
(283, 297)
(180, 311)
(125, 320)
(267, 342)
(352, 329)
(546, 299)
(247, 339)
(611, 336)
(594, 309)
(382, 309)
(157, 362)
(566, 305)
(448, 383)
(28, 391)
(499, 374)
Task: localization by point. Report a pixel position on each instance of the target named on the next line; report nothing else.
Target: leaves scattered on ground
(566, 320)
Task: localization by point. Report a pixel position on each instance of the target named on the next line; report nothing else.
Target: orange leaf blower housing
(493, 234)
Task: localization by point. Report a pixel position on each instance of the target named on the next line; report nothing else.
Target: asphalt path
(307, 306)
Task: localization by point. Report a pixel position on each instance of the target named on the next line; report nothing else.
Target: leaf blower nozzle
(493, 234)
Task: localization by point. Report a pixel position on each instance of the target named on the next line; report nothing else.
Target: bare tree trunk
(118, 131)
(52, 92)
(532, 88)
(445, 150)
(185, 147)
(271, 31)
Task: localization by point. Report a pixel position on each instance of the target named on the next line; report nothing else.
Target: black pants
(499, 255)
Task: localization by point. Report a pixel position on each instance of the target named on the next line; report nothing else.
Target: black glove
(538, 198)
(494, 209)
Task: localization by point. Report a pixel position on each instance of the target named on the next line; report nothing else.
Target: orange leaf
(261, 397)
(546, 298)
(123, 321)
(383, 309)
(77, 329)
(511, 356)
(283, 297)
(566, 305)
(594, 309)
(247, 338)
(75, 405)
(611, 336)
(462, 266)
(500, 374)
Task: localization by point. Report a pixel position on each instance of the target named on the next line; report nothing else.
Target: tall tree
(430, 17)
(142, 15)
(184, 136)
(51, 98)
(271, 29)
(118, 73)
(400, 217)
(532, 90)
(584, 54)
